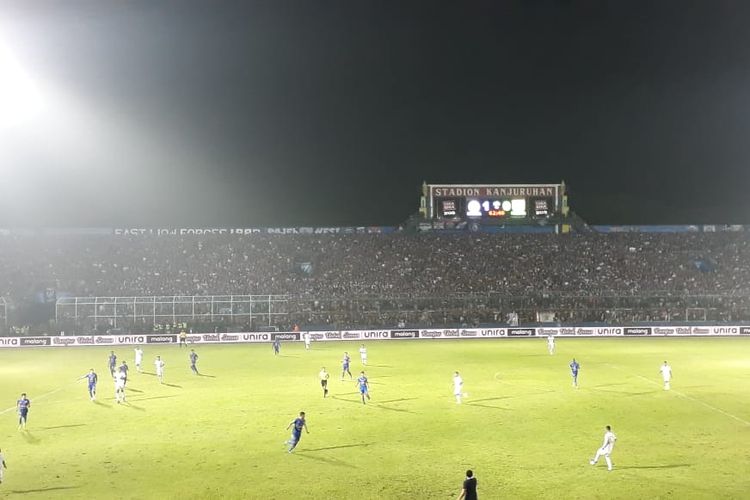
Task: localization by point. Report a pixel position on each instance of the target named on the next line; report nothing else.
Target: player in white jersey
(551, 344)
(138, 358)
(363, 354)
(120, 378)
(606, 448)
(159, 365)
(458, 387)
(666, 374)
(306, 338)
(2, 466)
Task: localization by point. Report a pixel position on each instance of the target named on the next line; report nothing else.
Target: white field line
(13, 408)
(686, 396)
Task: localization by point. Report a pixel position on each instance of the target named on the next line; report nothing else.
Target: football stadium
(500, 343)
(324, 250)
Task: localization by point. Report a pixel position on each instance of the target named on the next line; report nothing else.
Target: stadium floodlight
(19, 95)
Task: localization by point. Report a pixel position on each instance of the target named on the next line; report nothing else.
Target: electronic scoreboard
(488, 202)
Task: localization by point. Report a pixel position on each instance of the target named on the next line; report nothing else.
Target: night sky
(218, 113)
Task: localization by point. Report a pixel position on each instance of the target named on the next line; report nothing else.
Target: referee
(469, 491)
(324, 380)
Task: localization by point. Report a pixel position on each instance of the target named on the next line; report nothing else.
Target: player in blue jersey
(276, 346)
(193, 361)
(574, 367)
(92, 380)
(297, 425)
(345, 366)
(112, 362)
(23, 405)
(124, 369)
(363, 386)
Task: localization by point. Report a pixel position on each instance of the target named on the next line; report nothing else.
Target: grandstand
(228, 279)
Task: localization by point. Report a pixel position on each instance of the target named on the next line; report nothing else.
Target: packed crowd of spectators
(385, 280)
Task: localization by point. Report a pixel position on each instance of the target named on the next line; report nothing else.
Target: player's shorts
(92, 387)
(363, 390)
(23, 413)
(323, 383)
(345, 367)
(296, 436)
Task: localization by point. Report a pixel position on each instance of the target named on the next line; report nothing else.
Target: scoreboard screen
(493, 202)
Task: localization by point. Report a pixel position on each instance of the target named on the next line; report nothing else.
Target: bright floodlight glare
(19, 96)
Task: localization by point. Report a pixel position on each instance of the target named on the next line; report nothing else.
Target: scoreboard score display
(492, 201)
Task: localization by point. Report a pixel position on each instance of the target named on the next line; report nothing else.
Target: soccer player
(2, 466)
(92, 380)
(666, 374)
(323, 375)
(276, 346)
(193, 361)
(159, 364)
(138, 358)
(606, 449)
(183, 338)
(469, 491)
(363, 354)
(551, 344)
(124, 369)
(345, 366)
(120, 378)
(574, 367)
(23, 405)
(306, 338)
(363, 386)
(458, 386)
(112, 362)
(298, 423)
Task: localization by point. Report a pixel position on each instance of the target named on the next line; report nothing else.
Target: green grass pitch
(523, 429)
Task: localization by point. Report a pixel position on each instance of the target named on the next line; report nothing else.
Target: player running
(23, 405)
(323, 375)
(574, 367)
(363, 386)
(193, 361)
(183, 339)
(93, 378)
(120, 379)
(345, 366)
(458, 387)
(276, 346)
(299, 424)
(666, 374)
(363, 354)
(306, 338)
(159, 365)
(112, 362)
(551, 344)
(606, 449)
(124, 369)
(138, 358)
